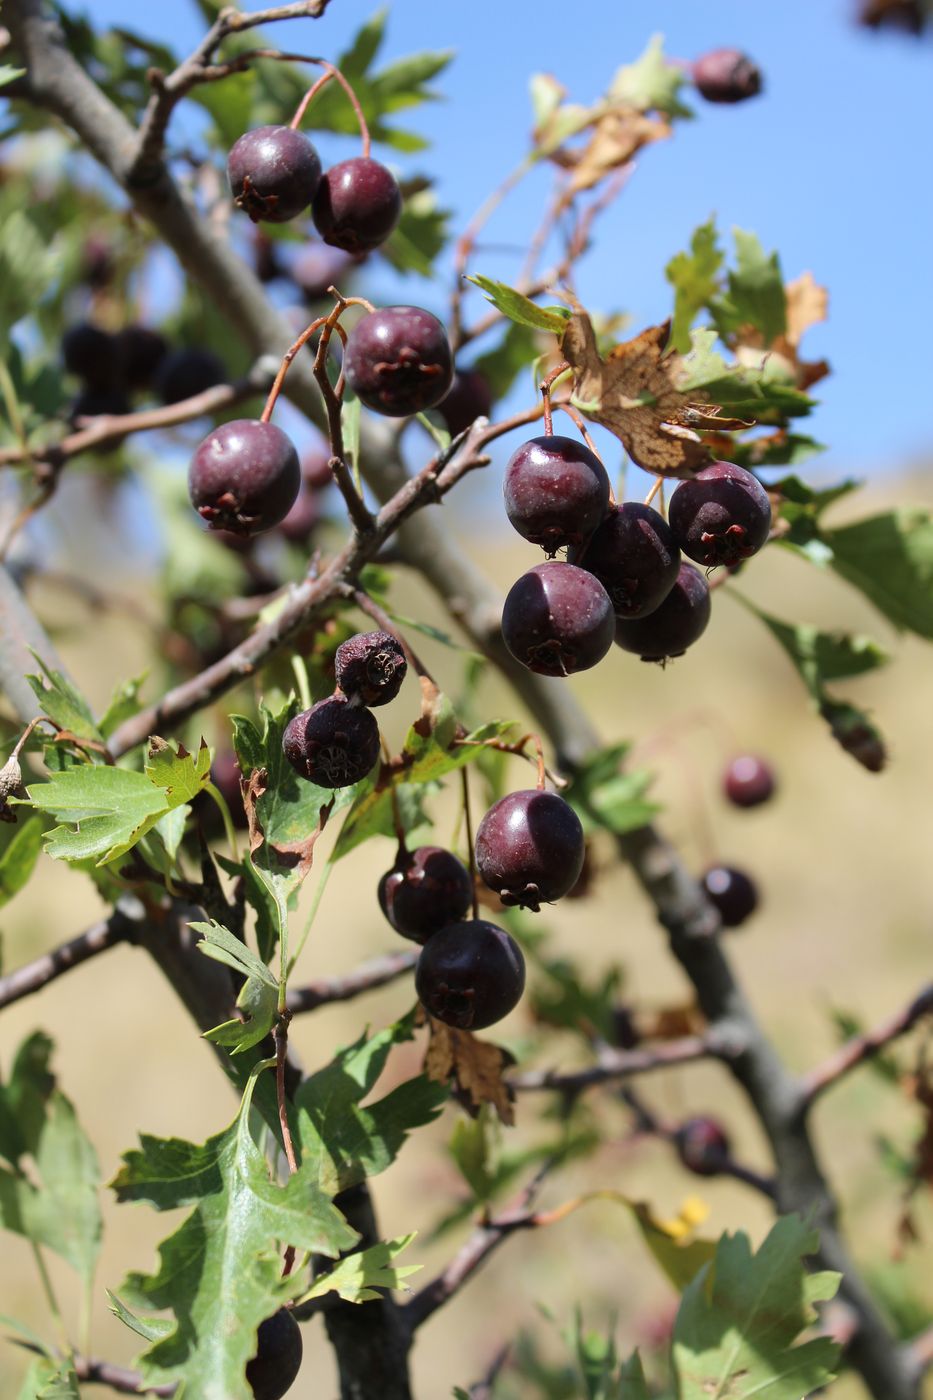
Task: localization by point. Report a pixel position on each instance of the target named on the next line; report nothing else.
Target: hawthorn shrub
(203, 798)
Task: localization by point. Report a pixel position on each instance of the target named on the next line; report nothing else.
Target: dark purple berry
(425, 890)
(300, 522)
(732, 893)
(468, 398)
(530, 848)
(91, 354)
(357, 205)
(673, 626)
(702, 1146)
(470, 974)
(748, 781)
(907, 15)
(318, 267)
(141, 352)
(556, 492)
(370, 667)
(244, 476)
(184, 373)
(397, 360)
(635, 557)
(279, 1349)
(334, 744)
(98, 403)
(557, 619)
(726, 75)
(315, 468)
(273, 172)
(720, 516)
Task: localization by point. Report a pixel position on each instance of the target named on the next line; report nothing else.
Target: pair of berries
(275, 174)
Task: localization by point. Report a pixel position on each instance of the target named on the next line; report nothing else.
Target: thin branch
(378, 972)
(619, 1064)
(36, 975)
(482, 1389)
(865, 1046)
(119, 1378)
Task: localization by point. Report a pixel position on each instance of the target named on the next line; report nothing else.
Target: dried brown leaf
(670, 1022)
(252, 790)
(616, 138)
(473, 1068)
(633, 392)
(807, 304)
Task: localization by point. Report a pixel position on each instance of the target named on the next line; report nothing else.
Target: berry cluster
(113, 367)
(624, 580)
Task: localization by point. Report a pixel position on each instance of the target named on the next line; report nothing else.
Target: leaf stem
(468, 823)
(227, 819)
(332, 72)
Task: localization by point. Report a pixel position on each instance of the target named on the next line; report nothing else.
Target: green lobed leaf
(500, 366)
(259, 1003)
(180, 775)
(757, 389)
(651, 83)
(470, 1147)
(420, 235)
(359, 1277)
(889, 558)
(104, 811)
(820, 657)
(518, 307)
(342, 1142)
(124, 704)
(605, 797)
(64, 703)
(755, 294)
(220, 1271)
(222, 945)
(738, 1323)
(20, 845)
(695, 279)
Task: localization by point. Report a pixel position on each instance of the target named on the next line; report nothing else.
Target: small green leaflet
(695, 279)
(9, 74)
(225, 947)
(124, 703)
(761, 390)
(500, 366)
(889, 558)
(220, 1271)
(358, 1277)
(755, 293)
(63, 703)
(651, 83)
(603, 796)
(258, 996)
(739, 1320)
(420, 235)
(50, 1379)
(518, 308)
(151, 1329)
(341, 1142)
(29, 264)
(62, 1211)
(105, 810)
(19, 850)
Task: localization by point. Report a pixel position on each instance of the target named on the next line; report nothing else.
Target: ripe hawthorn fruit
(470, 974)
(732, 892)
(305, 514)
(140, 352)
(273, 172)
(635, 557)
(468, 398)
(748, 781)
(425, 890)
(91, 354)
(720, 516)
(184, 373)
(702, 1146)
(334, 744)
(530, 848)
(674, 625)
(279, 1349)
(244, 476)
(726, 75)
(398, 361)
(556, 492)
(370, 668)
(357, 205)
(557, 619)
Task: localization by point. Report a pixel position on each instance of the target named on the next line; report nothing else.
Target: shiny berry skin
(357, 205)
(279, 1349)
(720, 516)
(140, 352)
(530, 848)
(91, 354)
(184, 373)
(244, 476)
(556, 492)
(398, 361)
(732, 893)
(273, 172)
(370, 667)
(702, 1146)
(673, 626)
(557, 619)
(425, 890)
(726, 75)
(470, 974)
(748, 781)
(635, 557)
(468, 398)
(334, 744)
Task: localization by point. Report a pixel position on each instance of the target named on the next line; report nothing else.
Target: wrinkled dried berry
(370, 667)
(334, 744)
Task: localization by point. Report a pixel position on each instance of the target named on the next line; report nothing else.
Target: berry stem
(280, 1036)
(468, 823)
(658, 485)
(287, 358)
(542, 771)
(332, 72)
(373, 610)
(577, 419)
(332, 395)
(545, 386)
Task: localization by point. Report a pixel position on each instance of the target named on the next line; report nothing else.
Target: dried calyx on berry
(274, 172)
(672, 627)
(370, 667)
(530, 848)
(425, 890)
(720, 516)
(702, 1146)
(244, 476)
(470, 974)
(334, 744)
(726, 75)
(557, 619)
(397, 360)
(273, 1370)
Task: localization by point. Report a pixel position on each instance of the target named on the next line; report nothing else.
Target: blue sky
(830, 166)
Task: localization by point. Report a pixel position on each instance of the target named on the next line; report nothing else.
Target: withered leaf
(252, 790)
(670, 1022)
(615, 139)
(807, 304)
(634, 393)
(473, 1068)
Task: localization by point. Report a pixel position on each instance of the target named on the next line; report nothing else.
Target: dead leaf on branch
(634, 393)
(670, 1022)
(252, 790)
(473, 1068)
(807, 305)
(616, 137)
